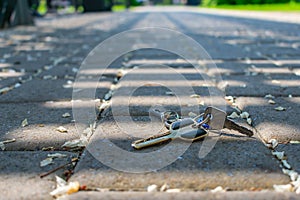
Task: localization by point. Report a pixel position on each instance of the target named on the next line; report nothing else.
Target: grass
(42, 9)
(118, 8)
(288, 7)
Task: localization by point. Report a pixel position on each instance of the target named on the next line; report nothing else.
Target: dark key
(234, 126)
(219, 120)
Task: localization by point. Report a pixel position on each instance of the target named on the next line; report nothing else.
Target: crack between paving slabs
(79, 145)
(287, 169)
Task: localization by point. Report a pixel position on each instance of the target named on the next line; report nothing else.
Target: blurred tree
(6, 9)
(23, 15)
(97, 5)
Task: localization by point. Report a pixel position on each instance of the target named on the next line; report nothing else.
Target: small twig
(58, 168)
(8, 141)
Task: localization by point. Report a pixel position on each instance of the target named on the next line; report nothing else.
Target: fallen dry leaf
(175, 190)
(5, 90)
(164, 187)
(66, 115)
(291, 173)
(108, 95)
(46, 162)
(68, 77)
(121, 73)
(56, 155)
(294, 142)
(83, 140)
(60, 182)
(297, 191)
(48, 148)
(273, 142)
(113, 87)
(195, 96)
(58, 60)
(47, 77)
(244, 115)
(69, 84)
(296, 72)
(74, 69)
(296, 184)
(280, 108)
(17, 85)
(48, 67)
(201, 103)
(269, 96)
(230, 99)
(2, 146)
(286, 164)
(24, 123)
(249, 121)
(152, 188)
(170, 93)
(233, 115)
(271, 101)
(64, 188)
(283, 188)
(74, 144)
(275, 81)
(218, 189)
(62, 129)
(104, 105)
(279, 155)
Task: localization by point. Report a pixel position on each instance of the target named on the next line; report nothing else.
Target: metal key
(218, 120)
(178, 130)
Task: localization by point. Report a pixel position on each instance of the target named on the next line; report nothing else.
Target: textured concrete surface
(43, 120)
(270, 123)
(184, 195)
(256, 54)
(236, 161)
(20, 174)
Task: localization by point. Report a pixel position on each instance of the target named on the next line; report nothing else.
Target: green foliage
(134, 3)
(241, 2)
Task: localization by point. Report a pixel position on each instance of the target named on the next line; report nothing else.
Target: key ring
(170, 116)
(202, 122)
(167, 117)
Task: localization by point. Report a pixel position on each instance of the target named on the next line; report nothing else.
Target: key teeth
(134, 146)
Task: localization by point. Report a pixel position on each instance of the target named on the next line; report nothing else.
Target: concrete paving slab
(43, 120)
(20, 174)
(235, 162)
(51, 90)
(184, 195)
(176, 63)
(44, 90)
(173, 89)
(280, 125)
(153, 54)
(141, 105)
(260, 85)
(248, 67)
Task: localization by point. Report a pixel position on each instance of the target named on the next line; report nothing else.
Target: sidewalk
(257, 71)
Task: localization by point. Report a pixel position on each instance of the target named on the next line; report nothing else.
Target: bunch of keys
(190, 129)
